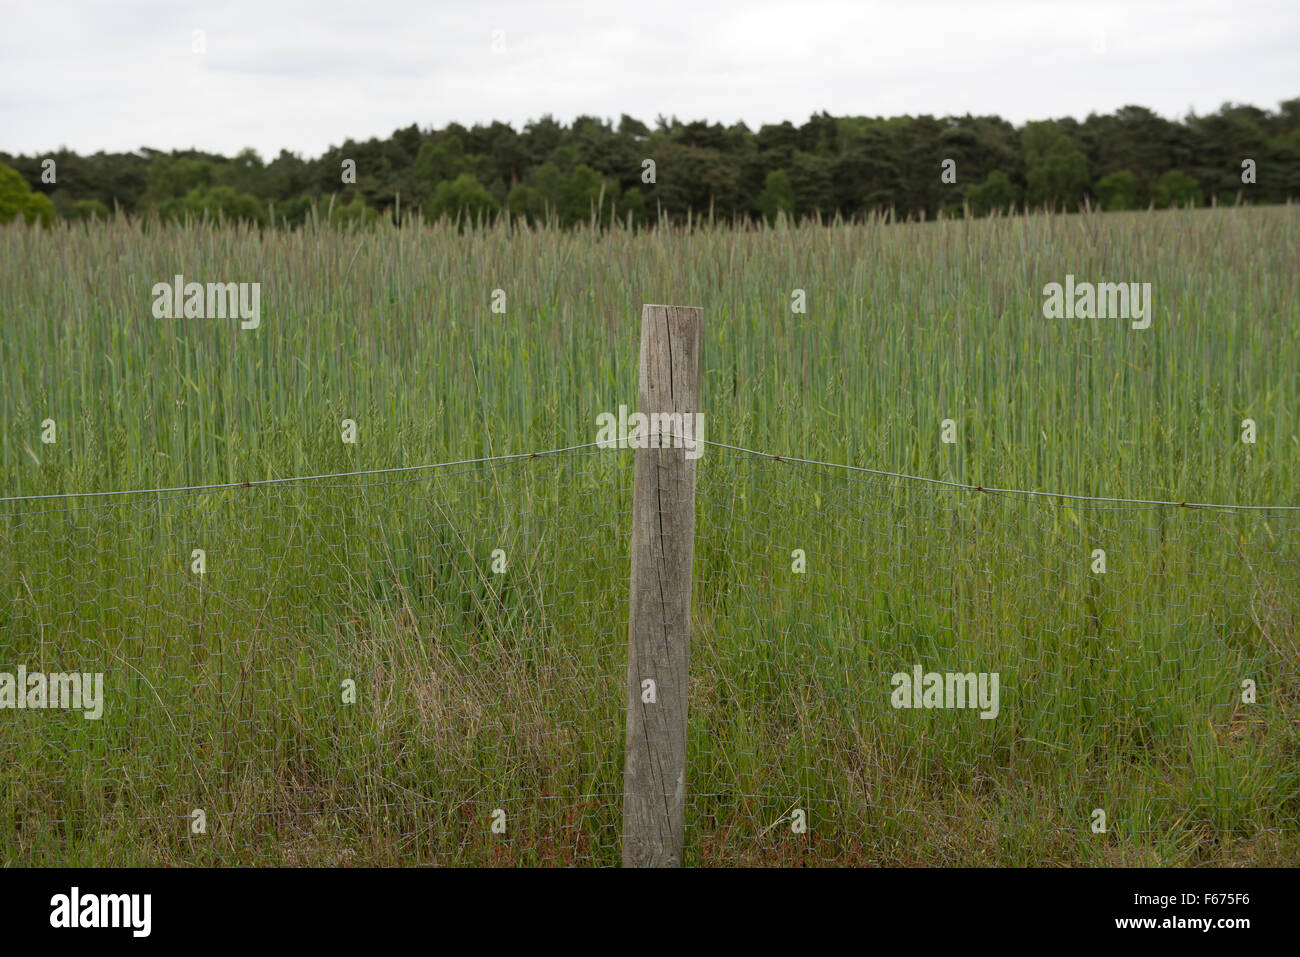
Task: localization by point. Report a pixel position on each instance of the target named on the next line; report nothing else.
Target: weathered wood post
(659, 615)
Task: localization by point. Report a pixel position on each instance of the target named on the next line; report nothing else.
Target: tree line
(593, 169)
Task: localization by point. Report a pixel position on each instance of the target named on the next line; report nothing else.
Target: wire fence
(430, 666)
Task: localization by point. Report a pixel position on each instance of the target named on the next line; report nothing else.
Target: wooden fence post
(659, 614)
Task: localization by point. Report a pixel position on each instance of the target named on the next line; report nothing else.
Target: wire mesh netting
(361, 669)
(849, 625)
(431, 666)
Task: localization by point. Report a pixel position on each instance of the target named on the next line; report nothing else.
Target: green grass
(478, 691)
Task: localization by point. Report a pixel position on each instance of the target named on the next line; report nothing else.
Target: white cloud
(304, 75)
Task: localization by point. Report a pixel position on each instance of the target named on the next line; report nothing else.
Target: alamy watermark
(946, 689)
(215, 300)
(129, 911)
(657, 430)
(71, 691)
(1103, 300)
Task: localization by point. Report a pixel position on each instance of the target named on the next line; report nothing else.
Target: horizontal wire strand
(620, 444)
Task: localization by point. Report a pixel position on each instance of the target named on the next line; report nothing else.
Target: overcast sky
(304, 75)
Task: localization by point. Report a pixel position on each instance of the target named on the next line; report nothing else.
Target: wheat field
(478, 691)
